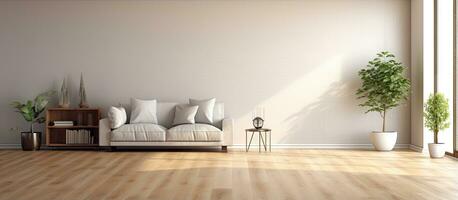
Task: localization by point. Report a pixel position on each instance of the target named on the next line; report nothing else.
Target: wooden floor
(282, 174)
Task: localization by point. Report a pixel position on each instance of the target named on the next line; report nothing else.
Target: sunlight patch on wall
(284, 109)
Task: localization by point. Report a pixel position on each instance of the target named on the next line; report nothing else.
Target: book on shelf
(62, 123)
(81, 136)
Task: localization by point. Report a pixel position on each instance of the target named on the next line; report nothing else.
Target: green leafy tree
(437, 114)
(32, 109)
(383, 85)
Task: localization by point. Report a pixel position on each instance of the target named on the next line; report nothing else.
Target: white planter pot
(384, 141)
(436, 150)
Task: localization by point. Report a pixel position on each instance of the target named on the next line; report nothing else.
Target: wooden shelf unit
(73, 145)
(73, 127)
(83, 118)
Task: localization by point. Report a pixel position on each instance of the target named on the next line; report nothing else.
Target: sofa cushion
(143, 111)
(117, 116)
(138, 132)
(184, 114)
(194, 132)
(205, 111)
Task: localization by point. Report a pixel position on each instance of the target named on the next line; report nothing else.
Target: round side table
(260, 131)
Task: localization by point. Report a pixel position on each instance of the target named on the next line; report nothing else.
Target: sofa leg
(224, 148)
(112, 149)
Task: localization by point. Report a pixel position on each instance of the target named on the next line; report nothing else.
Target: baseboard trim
(288, 146)
(416, 148)
(10, 146)
(322, 146)
(18, 146)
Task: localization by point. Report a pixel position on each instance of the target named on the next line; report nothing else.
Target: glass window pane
(445, 62)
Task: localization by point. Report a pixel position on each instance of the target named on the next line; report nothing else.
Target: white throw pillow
(143, 111)
(117, 116)
(205, 111)
(185, 114)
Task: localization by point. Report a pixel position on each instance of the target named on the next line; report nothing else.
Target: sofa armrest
(228, 131)
(104, 132)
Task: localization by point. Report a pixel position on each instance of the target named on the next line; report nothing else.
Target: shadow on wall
(324, 119)
(313, 107)
(321, 107)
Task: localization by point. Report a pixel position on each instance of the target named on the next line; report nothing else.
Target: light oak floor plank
(281, 174)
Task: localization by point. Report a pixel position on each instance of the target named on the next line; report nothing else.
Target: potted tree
(436, 119)
(31, 111)
(383, 87)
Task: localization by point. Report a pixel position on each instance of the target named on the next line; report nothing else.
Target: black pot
(31, 141)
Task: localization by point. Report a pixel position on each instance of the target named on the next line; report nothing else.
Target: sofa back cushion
(185, 114)
(166, 114)
(205, 111)
(117, 116)
(143, 111)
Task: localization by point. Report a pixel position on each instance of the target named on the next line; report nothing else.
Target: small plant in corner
(436, 119)
(383, 87)
(31, 112)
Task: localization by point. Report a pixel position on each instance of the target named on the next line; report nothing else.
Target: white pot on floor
(436, 150)
(384, 141)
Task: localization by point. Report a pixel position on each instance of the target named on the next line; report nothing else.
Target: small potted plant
(384, 87)
(31, 111)
(436, 119)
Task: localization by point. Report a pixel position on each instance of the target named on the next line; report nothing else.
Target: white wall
(298, 59)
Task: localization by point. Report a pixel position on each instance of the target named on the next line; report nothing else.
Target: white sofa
(220, 133)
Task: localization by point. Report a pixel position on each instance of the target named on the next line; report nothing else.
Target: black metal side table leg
(249, 144)
(270, 141)
(259, 142)
(263, 139)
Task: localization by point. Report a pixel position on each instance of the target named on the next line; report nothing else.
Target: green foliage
(31, 110)
(437, 114)
(383, 84)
